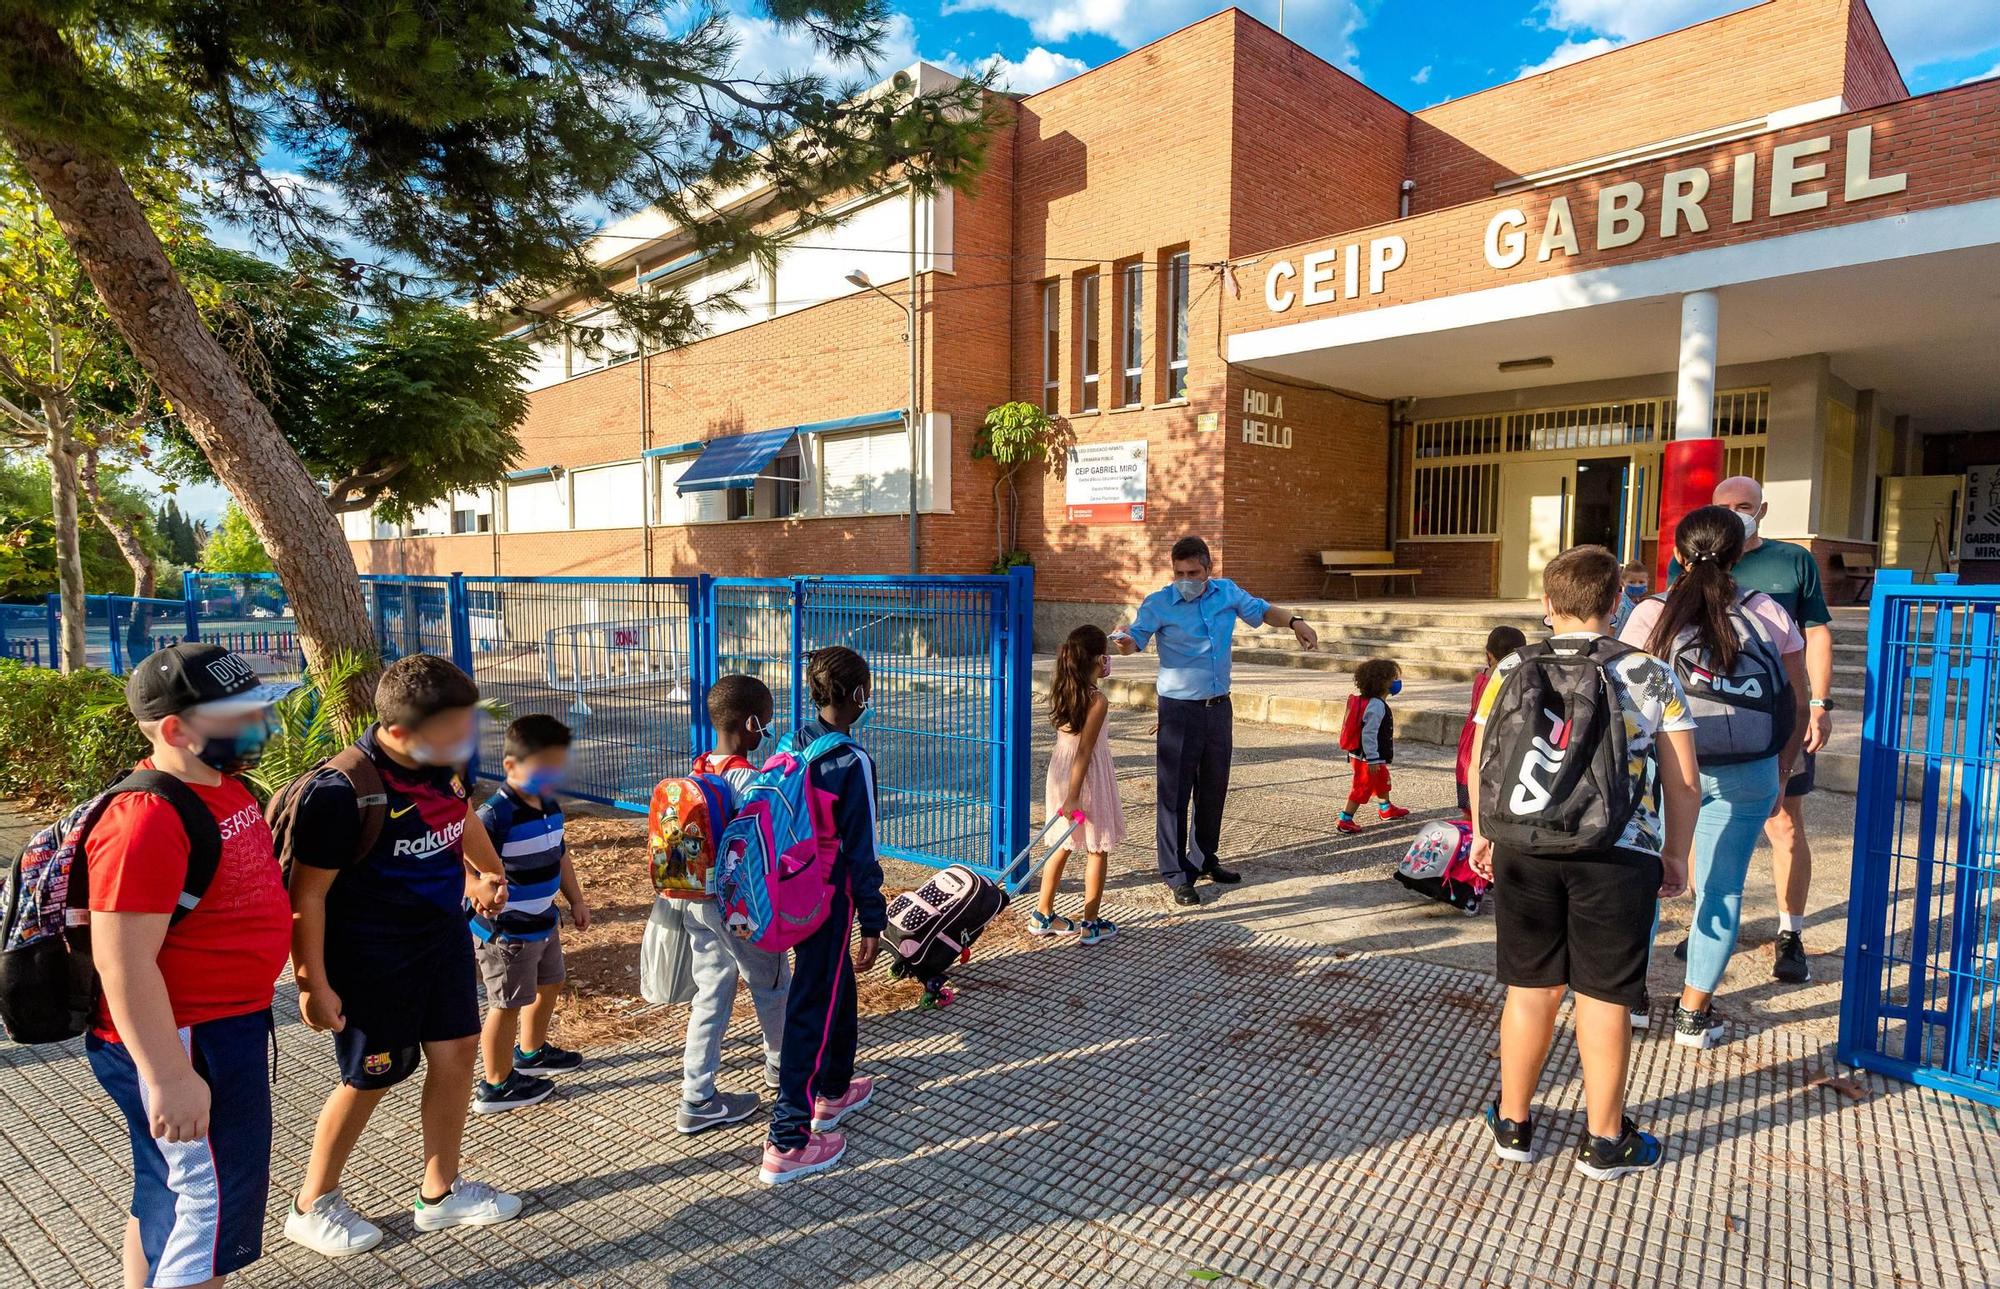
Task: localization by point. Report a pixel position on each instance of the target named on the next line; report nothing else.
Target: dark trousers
(818, 1055)
(1195, 743)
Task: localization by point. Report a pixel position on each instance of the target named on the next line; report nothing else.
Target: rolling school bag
(48, 984)
(1439, 867)
(1555, 775)
(936, 925)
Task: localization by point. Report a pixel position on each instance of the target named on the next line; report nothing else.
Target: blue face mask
(1635, 593)
(541, 783)
(234, 753)
(1395, 688)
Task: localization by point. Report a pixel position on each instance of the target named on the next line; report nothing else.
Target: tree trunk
(108, 231)
(122, 528)
(71, 655)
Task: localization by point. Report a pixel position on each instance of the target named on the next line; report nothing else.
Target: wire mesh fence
(1921, 993)
(626, 663)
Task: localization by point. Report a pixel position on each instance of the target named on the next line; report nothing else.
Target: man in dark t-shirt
(1788, 574)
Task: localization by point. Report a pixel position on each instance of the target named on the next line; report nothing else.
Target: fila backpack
(1554, 771)
(1745, 714)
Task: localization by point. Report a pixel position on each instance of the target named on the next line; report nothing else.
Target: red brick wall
(1328, 491)
(1131, 160)
(1948, 144)
(1872, 76)
(1734, 68)
(1339, 163)
(612, 552)
(1452, 568)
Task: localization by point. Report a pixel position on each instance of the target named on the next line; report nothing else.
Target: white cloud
(1423, 75)
(1571, 51)
(1624, 20)
(1037, 69)
(1326, 27)
(1986, 75)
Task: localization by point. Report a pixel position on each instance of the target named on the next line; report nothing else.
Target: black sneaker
(1222, 876)
(1642, 1015)
(1701, 1030)
(548, 1059)
(519, 1090)
(1186, 896)
(1605, 1160)
(1791, 965)
(1513, 1141)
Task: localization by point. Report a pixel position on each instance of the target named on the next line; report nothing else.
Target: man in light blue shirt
(1194, 620)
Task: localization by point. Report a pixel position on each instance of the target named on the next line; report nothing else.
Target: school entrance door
(1549, 506)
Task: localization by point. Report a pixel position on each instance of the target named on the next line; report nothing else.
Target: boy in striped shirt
(520, 948)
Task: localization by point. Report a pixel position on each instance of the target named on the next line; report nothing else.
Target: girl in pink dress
(1081, 778)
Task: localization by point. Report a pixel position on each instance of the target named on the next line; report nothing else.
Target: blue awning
(734, 461)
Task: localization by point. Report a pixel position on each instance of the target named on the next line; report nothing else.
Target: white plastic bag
(666, 964)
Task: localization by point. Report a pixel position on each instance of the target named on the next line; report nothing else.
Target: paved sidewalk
(1280, 1088)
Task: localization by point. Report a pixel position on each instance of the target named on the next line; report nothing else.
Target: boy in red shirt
(181, 1032)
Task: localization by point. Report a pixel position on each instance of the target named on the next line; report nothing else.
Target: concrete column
(1694, 405)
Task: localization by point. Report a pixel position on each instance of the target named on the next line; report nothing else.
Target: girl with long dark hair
(1081, 778)
(1741, 659)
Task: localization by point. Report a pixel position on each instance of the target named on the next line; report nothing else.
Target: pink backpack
(774, 862)
(1438, 866)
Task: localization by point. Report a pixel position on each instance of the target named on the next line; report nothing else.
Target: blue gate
(626, 662)
(1921, 996)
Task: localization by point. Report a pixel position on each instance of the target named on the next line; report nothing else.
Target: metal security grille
(1921, 980)
(1455, 462)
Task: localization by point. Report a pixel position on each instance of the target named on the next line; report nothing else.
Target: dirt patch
(602, 1006)
(1363, 1022)
(1313, 1026)
(1238, 1038)
(1240, 961)
(1468, 1001)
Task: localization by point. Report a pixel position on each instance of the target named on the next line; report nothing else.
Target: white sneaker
(469, 1204)
(331, 1227)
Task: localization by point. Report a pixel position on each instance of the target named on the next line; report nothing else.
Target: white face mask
(1189, 588)
(1749, 522)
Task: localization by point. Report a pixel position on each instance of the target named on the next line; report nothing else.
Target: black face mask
(235, 753)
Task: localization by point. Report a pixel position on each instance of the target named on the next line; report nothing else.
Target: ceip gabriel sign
(1623, 214)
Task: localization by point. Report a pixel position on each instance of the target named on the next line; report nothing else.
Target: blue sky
(1414, 52)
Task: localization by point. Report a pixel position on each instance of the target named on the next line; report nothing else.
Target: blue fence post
(116, 634)
(1021, 692)
(702, 662)
(54, 606)
(191, 598)
(798, 653)
(1876, 788)
(458, 622)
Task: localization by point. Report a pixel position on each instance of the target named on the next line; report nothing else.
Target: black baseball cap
(181, 677)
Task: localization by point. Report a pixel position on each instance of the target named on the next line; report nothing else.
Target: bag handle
(1013, 881)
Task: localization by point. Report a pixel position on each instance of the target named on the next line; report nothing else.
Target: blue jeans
(1735, 802)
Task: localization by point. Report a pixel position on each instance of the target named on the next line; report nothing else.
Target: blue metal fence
(1921, 996)
(626, 662)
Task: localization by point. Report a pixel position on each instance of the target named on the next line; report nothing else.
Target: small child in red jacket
(1500, 642)
(1368, 736)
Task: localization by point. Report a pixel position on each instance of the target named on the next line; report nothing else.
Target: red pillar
(1692, 468)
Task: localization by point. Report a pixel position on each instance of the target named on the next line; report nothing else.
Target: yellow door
(1536, 498)
(1919, 521)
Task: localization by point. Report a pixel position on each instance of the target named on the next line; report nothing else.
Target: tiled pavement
(1279, 1089)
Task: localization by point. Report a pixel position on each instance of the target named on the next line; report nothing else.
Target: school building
(1271, 307)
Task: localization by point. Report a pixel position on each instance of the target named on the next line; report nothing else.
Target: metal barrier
(1921, 987)
(28, 633)
(627, 662)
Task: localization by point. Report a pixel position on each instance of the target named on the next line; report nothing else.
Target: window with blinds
(537, 506)
(866, 473)
(610, 496)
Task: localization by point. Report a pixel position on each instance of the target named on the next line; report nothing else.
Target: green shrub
(66, 737)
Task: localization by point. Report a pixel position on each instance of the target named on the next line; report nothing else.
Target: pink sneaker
(821, 1152)
(828, 1114)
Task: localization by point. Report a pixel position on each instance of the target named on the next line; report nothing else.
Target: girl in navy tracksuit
(817, 1086)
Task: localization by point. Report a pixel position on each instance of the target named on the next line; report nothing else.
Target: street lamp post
(859, 277)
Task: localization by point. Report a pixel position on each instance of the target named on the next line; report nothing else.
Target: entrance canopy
(1909, 305)
(734, 461)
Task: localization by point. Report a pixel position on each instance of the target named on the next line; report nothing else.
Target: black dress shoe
(1185, 895)
(1224, 876)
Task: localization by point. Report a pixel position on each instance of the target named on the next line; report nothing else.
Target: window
(1051, 347)
(1177, 325)
(597, 340)
(471, 521)
(609, 496)
(1132, 351)
(674, 508)
(537, 506)
(547, 358)
(742, 502)
(431, 521)
(866, 473)
(1087, 330)
(786, 470)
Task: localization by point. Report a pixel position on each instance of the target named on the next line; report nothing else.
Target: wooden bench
(1357, 565)
(1860, 566)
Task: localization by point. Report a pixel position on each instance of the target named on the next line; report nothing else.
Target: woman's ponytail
(1708, 542)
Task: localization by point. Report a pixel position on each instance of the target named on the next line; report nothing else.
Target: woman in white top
(1741, 659)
